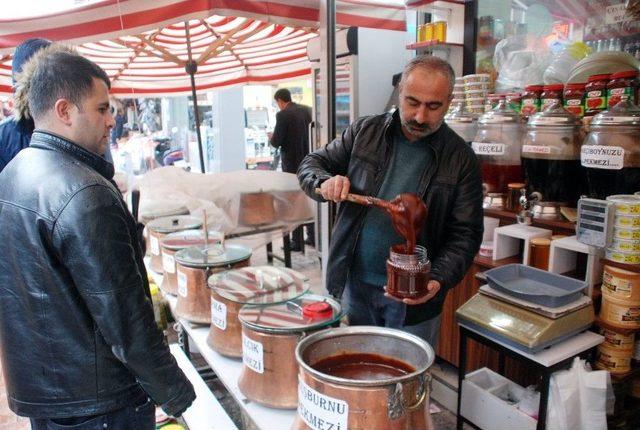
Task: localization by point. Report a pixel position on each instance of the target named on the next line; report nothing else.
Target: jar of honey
(407, 274)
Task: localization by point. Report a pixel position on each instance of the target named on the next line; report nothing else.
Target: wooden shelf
(490, 263)
(510, 218)
(433, 44)
(625, 266)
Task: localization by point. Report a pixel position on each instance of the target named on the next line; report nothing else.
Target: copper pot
(256, 209)
(160, 227)
(173, 243)
(150, 212)
(233, 289)
(194, 266)
(392, 403)
(292, 206)
(269, 338)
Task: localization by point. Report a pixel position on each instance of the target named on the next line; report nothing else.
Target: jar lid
(289, 317)
(553, 87)
(540, 241)
(625, 74)
(516, 185)
(212, 255)
(459, 114)
(575, 86)
(156, 210)
(533, 88)
(501, 114)
(259, 285)
(603, 77)
(170, 224)
(512, 95)
(184, 239)
(554, 115)
(623, 113)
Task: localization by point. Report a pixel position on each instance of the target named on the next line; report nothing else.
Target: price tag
(482, 148)
(219, 314)
(155, 245)
(168, 263)
(252, 354)
(321, 412)
(602, 157)
(536, 149)
(182, 284)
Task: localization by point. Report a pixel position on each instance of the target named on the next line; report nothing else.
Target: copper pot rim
(364, 330)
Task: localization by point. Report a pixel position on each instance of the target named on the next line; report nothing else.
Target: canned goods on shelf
(626, 204)
(622, 257)
(626, 233)
(626, 221)
(626, 245)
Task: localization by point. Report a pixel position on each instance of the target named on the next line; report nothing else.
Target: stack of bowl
(476, 88)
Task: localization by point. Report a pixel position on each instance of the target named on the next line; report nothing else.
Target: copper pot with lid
(160, 227)
(173, 243)
(269, 338)
(363, 377)
(150, 212)
(231, 290)
(256, 209)
(194, 265)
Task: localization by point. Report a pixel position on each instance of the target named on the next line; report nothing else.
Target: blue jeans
(365, 304)
(141, 417)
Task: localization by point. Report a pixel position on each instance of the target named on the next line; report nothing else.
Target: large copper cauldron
(256, 209)
(269, 338)
(160, 227)
(374, 401)
(194, 266)
(173, 243)
(231, 290)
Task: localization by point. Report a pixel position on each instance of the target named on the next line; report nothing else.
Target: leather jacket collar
(47, 140)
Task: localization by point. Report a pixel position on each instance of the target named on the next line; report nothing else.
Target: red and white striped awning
(142, 44)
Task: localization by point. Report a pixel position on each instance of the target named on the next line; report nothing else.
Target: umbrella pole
(192, 67)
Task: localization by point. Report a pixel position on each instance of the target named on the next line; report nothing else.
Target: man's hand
(335, 188)
(432, 287)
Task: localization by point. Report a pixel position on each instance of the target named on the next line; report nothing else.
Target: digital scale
(524, 325)
(595, 222)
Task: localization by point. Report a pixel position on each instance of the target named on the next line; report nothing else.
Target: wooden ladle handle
(367, 200)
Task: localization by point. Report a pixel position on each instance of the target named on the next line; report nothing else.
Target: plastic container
(626, 245)
(478, 86)
(462, 122)
(615, 361)
(626, 204)
(478, 77)
(618, 341)
(626, 233)
(486, 249)
(620, 313)
(621, 284)
(627, 221)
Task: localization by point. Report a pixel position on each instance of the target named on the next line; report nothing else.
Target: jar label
(219, 314)
(613, 284)
(536, 149)
(321, 412)
(252, 354)
(602, 157)
(155, 244)
(552, 120)
(615, 95)
(168, 263)
(596, 99)
(618, 119)
(182, 284)
(482, 148)
(549, 102)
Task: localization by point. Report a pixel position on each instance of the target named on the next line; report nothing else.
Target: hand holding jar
(433, 287)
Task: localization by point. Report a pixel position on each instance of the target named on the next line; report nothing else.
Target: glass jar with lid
(551, 156)
(498, 144)
(407, 274)
(462, 122)
(611, 151)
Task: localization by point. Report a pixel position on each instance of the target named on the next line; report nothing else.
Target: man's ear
(62, 110)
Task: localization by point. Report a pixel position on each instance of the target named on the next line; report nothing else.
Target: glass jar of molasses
(596, 94)
(574, 99)
(623, 84)
(407, 274)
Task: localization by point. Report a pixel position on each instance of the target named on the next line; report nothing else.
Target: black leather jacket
(77, 330)
(452, 192)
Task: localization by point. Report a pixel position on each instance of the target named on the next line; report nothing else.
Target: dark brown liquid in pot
(363, 367)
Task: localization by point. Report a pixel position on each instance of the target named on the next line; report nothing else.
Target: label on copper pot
(219, 314)
(321, 412)
(155, 245)
(168, 263)
(252, 354)
(182, 284)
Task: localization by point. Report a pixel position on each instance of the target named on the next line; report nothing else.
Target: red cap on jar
(533, 88)
(625, 74)
(553, 87)
(317, 310)
(577, 86)
(604, 77)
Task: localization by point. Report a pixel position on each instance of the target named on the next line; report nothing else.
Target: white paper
(321, 412)
(168, 263)
(219, 314)
(536, 149)
(602, 157)
(182, 284)
(482, 148)
(252, 354)
(155, 245)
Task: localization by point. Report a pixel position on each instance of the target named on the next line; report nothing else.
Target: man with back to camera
(291, 135)
(409, 150)
(79, 343)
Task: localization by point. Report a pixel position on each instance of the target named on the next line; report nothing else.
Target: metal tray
(535, 285)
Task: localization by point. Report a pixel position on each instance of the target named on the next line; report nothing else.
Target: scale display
(595, 219)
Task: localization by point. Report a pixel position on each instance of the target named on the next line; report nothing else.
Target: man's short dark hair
(433, 64)
(283, 94)
(59, 73)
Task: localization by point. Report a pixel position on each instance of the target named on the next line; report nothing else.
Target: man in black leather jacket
(410, 150)
(79, 343)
